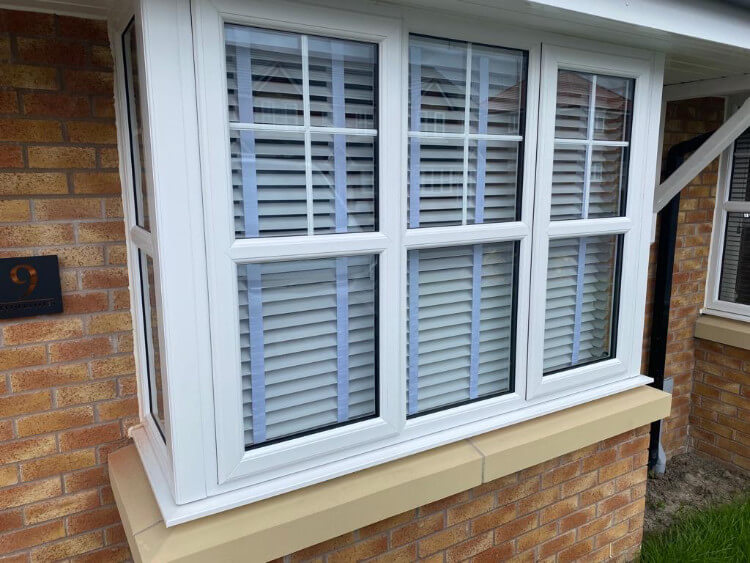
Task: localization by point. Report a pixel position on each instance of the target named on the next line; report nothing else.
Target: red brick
(47, 377)
(86, 479)
(91, 132)
(91, 302)
(26, 22)
(83, 29)
(14, 405)
(55, 420)
(417, 529)
(106, 231)
(93, 519)
(35, 234)
(80, 349)
(443, 539)
(468, 548)
(13, 358)
(61, 157)
(50, 51)
(11, 156)
(34, 183)
(61, 506)
(31, 536)
(27, 449)
(68, 547)
(56, 105)
(29, 492)
(470, 509)
(27, 76)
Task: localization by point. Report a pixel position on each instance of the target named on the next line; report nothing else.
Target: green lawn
(720, 534)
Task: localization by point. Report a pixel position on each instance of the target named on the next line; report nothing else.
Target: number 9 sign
(29, 286)
(29, 280)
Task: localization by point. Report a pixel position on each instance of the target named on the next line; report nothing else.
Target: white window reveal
(728, 285)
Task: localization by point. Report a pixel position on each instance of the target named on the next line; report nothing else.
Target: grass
(715, 535)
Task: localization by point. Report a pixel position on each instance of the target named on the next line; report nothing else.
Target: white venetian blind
(460, 318)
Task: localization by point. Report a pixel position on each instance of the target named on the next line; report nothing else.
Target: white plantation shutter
(579, 313)
(460, 324)
(466, 110)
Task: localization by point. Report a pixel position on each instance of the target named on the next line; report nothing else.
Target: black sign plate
(29, 286)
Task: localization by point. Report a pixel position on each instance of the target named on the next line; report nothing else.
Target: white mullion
(736, 207)
(288, 248)
(241, 126)
(597, 143)
(472, 136)
(465, 234)
(589, 151)
(589, 227)
(308, 142)
(467, 117)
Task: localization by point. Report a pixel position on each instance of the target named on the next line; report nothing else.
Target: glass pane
(268, 183)
(493, 181)
(308, 343)
(568, 173)
(614, 108)
(264, 76)
(739, 189)
(498, 90)
(135, 125)
(342, 83)
(437, 85)
(581, 301)
(436, 182)
(609, 171)
(151, 332)
(735, 264)
(343, 181)
(573, 102)
(460, 324)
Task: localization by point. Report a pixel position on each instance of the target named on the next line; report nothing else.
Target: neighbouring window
(729, 291)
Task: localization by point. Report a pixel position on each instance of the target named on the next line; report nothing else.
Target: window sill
(274, 527)
(723, 330)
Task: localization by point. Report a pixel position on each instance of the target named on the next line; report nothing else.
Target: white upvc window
(403, 231)
(728, 283)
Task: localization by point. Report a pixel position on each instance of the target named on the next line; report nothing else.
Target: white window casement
(728, 283)
(369, 233)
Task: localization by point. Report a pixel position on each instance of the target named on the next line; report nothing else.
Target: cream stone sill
(280, 525)
(723, 330)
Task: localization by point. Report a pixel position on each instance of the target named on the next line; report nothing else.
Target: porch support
(709, 150)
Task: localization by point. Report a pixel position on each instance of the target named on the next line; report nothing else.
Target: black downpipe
(663, 283)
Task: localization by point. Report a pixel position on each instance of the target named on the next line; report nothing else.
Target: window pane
(307, 176)
(739, 189)
(592, 128)
(151, 333)
(308, 342)
(581, 310)
(735, 265)
(460, 324)
(463, 168)
(135, 125)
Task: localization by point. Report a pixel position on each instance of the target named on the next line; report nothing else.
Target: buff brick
(469, 548)
(85, 393)
(634, 446)
(86, 479)
(14, 358)
(557, 544)
(67, 548)
(493, 519)
(104, 106)
(91, 302)
(323, 547)
(6, 430)
(110, 322)
(36, 235)
(30, 492)
(67, 208)
(91, 132)
(40, 331)
(497, 553)
(559, 509)
(615, 469)
(629, 510)
(88, 82)
(4, 48)
(560, 474)
(13, 211)
(595, 494)
(101, 56)
(53, 465)
(612, 534)
(8, 102)
(91, 436)
(29, 537)
(61, 157)
(27, 76)
(33, 183)
(104, 278)
(599, 460)
(417, 529)
(96, 183)
(516, 492)
(537, 536)
(78, 256)
(85, 348)
(50, 51)
(106, 231)
(114, 366)
(406, 554)
(8, 476)
(516, 527)
(11, 520)
(116, 534)
(56, 105)
(575, 486)
(108, 158)
(113, 208)
(56, 420)
(443, 539)
(576, 552)
(577, 519)
(470, 509)
(40, 378)
(121, 299)
(613, 503)
(61, 506)
(27, 449)
(117, 409)
(25, 403)
(539, 500)
(127, 385)
(359, 551)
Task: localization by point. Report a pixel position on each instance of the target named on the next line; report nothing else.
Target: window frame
(626, 361)
(714, 305)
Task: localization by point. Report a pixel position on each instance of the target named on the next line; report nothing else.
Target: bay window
(401, 233)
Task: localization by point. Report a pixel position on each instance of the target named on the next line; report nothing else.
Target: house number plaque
(29, 286)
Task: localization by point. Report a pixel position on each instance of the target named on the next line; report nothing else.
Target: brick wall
(584, 506)
(67, 388)
(720, 414)
(685, 120)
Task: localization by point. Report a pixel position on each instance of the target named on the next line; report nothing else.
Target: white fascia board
(713, 21)
(709, 150)
(727, 86)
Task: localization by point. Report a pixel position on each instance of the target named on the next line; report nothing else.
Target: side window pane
(592, 139)
(308, 343)
(303, 133)
(739, 189)
(135, 126)
(735, 264)
(466, 117)
(582, 281)
(151, 333)
(461, 314)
